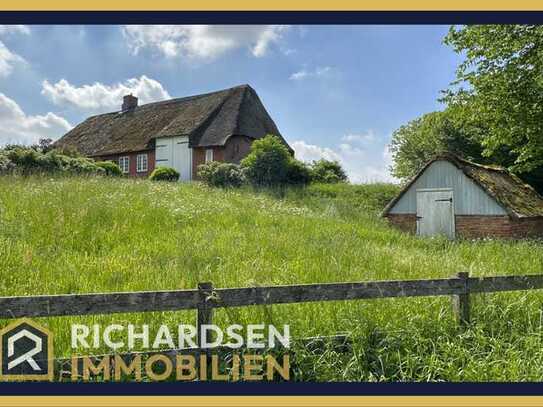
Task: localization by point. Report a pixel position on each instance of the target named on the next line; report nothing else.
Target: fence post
(205, 317)
(205, 311)
(461, 301)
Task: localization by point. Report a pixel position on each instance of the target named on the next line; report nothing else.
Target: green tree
(327, 172)
(267, 163)
(419, 140)
(500, 83)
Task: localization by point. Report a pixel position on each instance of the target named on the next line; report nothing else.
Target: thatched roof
(518, 199)
(208, 119)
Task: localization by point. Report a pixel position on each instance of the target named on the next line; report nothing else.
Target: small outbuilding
(457, 198)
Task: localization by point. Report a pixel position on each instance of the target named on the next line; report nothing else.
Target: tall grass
(81, 235)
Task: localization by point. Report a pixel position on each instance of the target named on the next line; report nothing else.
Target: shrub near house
(327, 172)
(31, 160)
(218, 174)
(270, 164)
(164, 174)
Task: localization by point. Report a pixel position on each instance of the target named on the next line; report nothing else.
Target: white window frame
(209, 155)
(142, 163)
(124, 164)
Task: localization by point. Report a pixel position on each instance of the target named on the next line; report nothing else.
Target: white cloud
(9, 59)
(361, 164)
(318, 72)
(310, 152)
(202, 41)
(16, 127)
(361, 139)
(99, 97)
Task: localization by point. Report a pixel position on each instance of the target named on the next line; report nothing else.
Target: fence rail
(206, 297)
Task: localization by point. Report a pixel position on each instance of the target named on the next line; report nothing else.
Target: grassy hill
(80, 235)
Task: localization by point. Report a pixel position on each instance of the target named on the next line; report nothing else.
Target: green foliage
(494, 108)
(327, 172)
(500, 84)
(111, 168)
(298, 173)
(30, 160)
(45, 145)
(6, 166)
(421, 139)
(270, 164)
(219, 174)
(267, 163)
(164, 174)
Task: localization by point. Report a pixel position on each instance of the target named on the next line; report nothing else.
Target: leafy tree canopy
(494, 109)
(419, 140)
(500, 84)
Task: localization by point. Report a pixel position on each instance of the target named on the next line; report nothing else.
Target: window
(141, 163)
(124, 164)
(209, 155)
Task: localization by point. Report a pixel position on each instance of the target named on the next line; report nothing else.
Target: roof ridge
(176, 100)
(451, 155)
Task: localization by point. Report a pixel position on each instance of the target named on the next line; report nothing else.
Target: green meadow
(88, 235)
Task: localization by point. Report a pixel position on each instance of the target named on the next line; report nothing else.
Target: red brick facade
(234, 150)
(133, 157)
(406, 222)
(479, 226)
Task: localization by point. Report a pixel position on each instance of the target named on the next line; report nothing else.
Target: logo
(26, 352)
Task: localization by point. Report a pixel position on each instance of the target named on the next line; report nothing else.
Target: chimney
(129, 103)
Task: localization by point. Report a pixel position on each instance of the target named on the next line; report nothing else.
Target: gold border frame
(50, 352)
(276, 5)
(269, 401)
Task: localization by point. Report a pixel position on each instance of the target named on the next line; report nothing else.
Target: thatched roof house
(180, 133)
(456, 197)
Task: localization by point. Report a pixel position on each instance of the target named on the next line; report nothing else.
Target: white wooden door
(163, 152)
(435, 212)
(182, 158)
(174, 152)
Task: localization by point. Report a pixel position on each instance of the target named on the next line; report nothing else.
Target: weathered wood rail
(206, 297)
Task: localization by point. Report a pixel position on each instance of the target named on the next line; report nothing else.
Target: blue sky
(334, 91)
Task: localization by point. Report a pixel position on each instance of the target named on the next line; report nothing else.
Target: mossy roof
(208, 119)
(518, 199)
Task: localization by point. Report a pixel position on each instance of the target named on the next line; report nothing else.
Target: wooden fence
(206, 297)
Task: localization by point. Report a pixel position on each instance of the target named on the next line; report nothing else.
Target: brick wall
(199, 158)
(528, 227)
(133, 162)
(235, 149)
(479, 226)
(475, 226)
(406, 222)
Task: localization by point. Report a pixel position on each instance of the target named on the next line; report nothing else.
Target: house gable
(469, 198)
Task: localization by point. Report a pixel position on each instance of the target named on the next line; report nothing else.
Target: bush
(327, 172)
(298, 173)
(267, 163)
(111, 169)
(29, 160)
(164, 174)
(5, 164)
(82, 165)
(219, 174)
